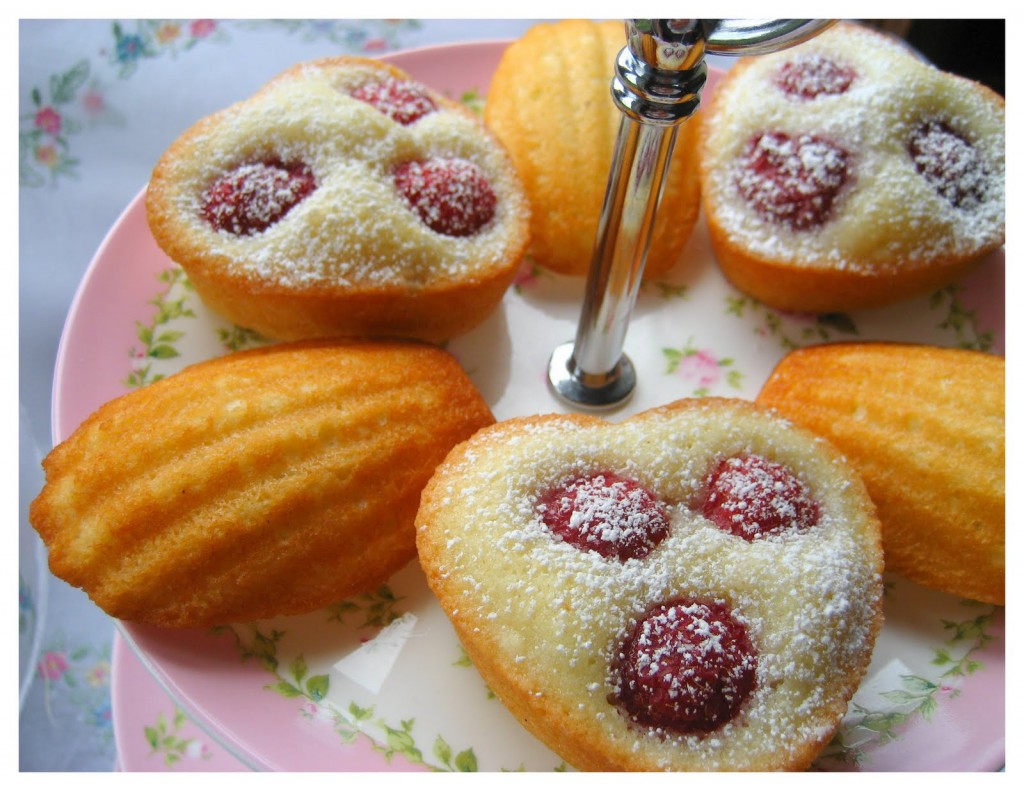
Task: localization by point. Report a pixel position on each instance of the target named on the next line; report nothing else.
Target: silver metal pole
(659, 75)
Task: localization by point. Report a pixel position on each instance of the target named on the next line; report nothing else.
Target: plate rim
(61, 430)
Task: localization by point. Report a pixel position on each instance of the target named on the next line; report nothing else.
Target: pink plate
(151, 732)
(379, 682)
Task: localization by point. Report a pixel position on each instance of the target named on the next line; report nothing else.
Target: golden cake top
(354, 226)
(850, 150)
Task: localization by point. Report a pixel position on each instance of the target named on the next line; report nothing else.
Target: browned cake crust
(550, 104)
(925, 427)
(922, 188)
(352, 258)
(541, 619)
(268, 482)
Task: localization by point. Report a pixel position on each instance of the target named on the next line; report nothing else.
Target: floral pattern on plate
(360, 682)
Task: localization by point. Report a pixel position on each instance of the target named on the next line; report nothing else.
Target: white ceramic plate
(380, 682)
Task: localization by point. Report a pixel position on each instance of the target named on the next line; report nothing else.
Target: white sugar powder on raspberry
(888, 215)
(807, 599)
(354, 229)
(951, 164)
(606, 513)
(813, 75)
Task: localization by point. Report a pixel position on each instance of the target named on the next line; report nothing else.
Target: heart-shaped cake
(847, 173)
(695, 588)
(344, 198)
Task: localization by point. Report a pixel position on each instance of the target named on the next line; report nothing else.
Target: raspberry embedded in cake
(687, 666)
(254, 196)
(752, 497)
(451, 196)
(949, 163)
(402, 101)
(813, 76)
(606, 513)
(792, 180)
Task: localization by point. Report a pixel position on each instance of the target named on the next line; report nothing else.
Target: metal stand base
(587, 391)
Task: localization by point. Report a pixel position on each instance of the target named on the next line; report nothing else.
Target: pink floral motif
(700, 368)
(45, 129)
(48, 120)
(93, 102)
(313, 711)
(197, 749)
(375, 45)
(793, 330)
(201, 28)
(527, 277)
(53, 665)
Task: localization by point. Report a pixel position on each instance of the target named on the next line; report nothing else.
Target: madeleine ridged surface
(925, 426)
(550, 104)
(268, 482)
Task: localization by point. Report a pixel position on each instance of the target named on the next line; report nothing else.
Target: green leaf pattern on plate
(916, 698)
(159, 338)
(378, 608)
(296, 682)
(166, 740)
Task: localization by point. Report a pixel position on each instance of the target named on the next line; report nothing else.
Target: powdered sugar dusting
(790, 180)
(354, 229)
(808, 600)
(890, 214)
(687, 666)
(814, 75)
(401, 100)
(607, 514)
(752, 497)
(950, 164)
(255, 195)
(451, 196)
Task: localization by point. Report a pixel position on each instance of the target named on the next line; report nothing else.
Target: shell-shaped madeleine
(550, 104)
(926, 429)
(268, 482)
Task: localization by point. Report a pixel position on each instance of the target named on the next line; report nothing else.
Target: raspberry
(610, 515)
(451, 196)
(950, 164)
(793, 181)
(687, 666)
(402, 101)
(752, 497)
(254, 196)
(813, 76)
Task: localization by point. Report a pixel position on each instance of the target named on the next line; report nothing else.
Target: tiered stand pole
(659, 75)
